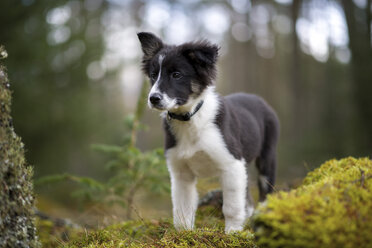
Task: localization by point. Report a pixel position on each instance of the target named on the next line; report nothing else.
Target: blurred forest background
(74, 68)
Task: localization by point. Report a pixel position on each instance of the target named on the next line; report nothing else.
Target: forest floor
(98, 227)
(331, 208)
(145, 233)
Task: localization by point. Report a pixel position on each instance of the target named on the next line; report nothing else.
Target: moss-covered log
(17, 227)
(332, 208)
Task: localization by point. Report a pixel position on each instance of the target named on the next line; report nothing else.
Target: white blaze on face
(166, 103)
(155, 87)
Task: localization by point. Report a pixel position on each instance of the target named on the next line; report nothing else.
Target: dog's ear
(203, 55)
(150, 44)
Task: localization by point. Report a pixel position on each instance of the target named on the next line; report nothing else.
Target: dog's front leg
(234, 181)
(184, 196)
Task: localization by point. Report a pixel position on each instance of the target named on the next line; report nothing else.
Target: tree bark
(17, 227)
(296, 75)
(359, 31)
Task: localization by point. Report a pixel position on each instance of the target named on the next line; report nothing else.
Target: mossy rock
(17, 227)
(332, 208)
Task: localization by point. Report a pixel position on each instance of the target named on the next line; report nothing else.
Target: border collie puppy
(207, 134)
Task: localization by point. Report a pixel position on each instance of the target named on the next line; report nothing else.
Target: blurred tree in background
(75, 67)
(358, 19)
(61, 101)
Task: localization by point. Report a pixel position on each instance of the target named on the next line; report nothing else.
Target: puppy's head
(178, 74)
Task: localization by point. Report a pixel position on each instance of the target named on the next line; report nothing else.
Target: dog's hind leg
(266, 163)
(266, 166)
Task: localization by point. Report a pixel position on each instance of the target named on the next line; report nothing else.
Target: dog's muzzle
(156, 100)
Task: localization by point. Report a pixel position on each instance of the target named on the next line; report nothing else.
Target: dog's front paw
(183, 227)
(233, 225)
(183, 224)
(231, 229)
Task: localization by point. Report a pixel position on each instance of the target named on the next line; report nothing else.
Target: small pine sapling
(132, 169)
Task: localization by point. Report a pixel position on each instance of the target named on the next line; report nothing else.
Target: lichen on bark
(17, 227)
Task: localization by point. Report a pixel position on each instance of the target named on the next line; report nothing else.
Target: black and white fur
(220, 139)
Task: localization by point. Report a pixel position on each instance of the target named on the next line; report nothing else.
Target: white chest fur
(200, 145)
(197, 156)
(202, 165)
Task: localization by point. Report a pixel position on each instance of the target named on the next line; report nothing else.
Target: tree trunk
(296, 76)
(359, 29)
(17, 227)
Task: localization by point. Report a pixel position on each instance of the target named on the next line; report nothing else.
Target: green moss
(160, 234)
(17, 227)
(127, 234)
(332, 208)
(206, 238)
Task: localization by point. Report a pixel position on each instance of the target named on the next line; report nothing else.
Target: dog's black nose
(156, 98)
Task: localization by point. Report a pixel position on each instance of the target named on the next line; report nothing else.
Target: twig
(362, 178)
(139, 215)
(130, 197)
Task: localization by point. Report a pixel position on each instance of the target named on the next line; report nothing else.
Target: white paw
(234, 225)
(179, 227)
(231, 229)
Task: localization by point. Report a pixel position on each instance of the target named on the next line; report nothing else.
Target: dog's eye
(176, 75)
(153, 76)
